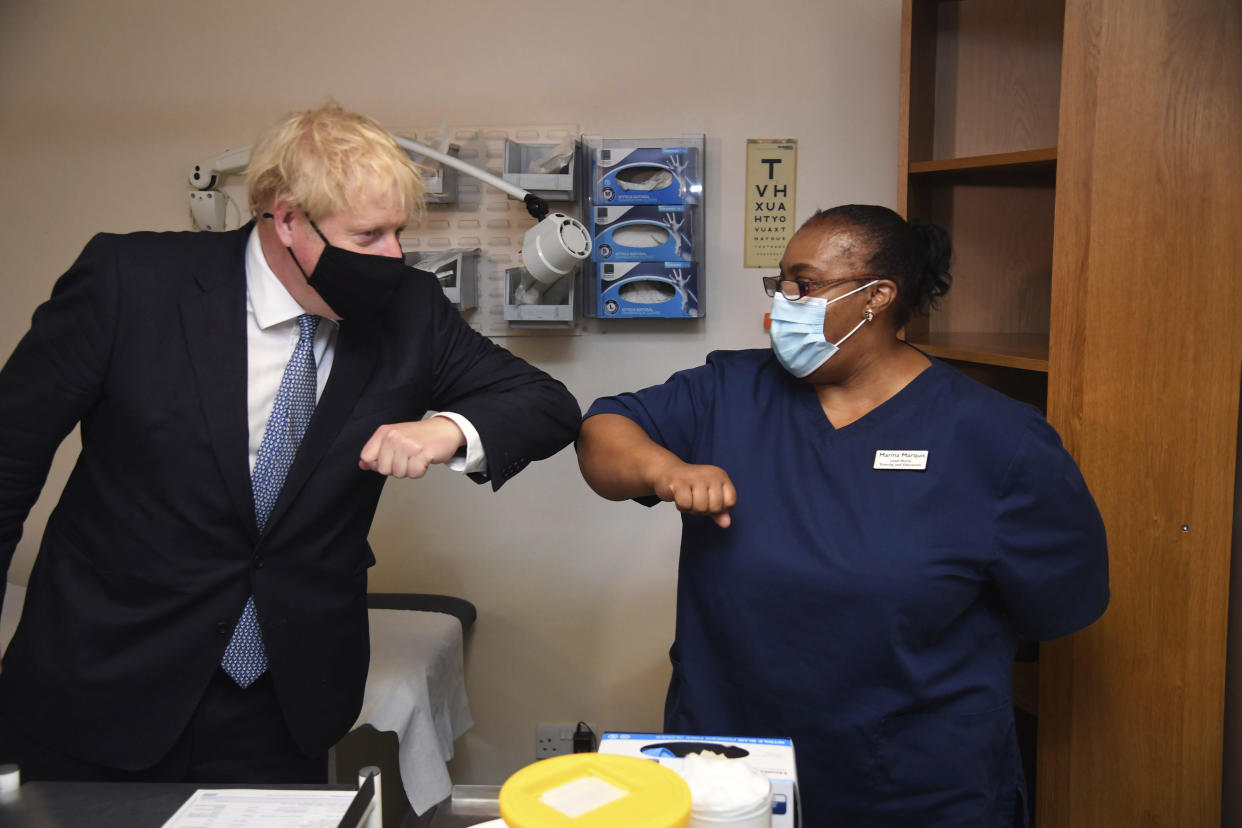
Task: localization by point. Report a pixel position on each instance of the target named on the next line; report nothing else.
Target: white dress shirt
(271, 334)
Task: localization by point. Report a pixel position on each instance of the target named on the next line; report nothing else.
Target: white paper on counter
(251, 808)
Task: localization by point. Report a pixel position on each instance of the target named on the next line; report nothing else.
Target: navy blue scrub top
(872, 615)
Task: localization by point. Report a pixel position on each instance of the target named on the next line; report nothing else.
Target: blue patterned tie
(245, 658)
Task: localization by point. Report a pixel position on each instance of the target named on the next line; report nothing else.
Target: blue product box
(647, 290)
(646, 175)
(645, 233)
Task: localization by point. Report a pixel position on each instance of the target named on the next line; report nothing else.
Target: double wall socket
(555, 739)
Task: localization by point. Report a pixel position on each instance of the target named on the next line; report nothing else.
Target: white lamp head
(554, 246)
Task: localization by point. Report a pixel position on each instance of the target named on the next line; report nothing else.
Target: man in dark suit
(197, 608)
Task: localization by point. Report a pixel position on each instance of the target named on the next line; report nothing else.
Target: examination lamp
(550, 250)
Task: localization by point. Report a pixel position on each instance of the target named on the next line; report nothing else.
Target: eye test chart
(771, 199)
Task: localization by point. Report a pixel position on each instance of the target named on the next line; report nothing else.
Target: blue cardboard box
(646, 289)
(652, 290)
(646, 175)
(644, 233)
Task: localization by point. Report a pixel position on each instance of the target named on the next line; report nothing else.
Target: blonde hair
(328, 160)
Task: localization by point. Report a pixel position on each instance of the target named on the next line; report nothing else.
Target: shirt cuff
(474, 461)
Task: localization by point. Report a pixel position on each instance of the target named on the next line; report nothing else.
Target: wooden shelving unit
(1084, 157)
(1036, 160)
(1028, 352)
(979, 132)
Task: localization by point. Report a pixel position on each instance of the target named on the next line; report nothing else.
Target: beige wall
(105, 105)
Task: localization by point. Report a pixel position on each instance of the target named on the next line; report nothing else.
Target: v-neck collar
(911, 391)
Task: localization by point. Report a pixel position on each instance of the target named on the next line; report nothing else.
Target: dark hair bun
(934, 277)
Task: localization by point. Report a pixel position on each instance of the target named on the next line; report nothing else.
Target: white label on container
(582, 795)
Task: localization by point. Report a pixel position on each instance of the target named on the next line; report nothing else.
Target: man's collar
(271, 303)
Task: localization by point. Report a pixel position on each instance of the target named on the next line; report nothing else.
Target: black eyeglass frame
(771, 284)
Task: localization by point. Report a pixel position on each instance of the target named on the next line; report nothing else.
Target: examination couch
(401, 737)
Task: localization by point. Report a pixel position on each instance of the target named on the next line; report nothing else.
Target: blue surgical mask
(797, 331)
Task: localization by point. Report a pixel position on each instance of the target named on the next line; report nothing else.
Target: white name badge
(895, 459)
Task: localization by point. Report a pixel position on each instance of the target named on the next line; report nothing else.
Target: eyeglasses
(794, 289)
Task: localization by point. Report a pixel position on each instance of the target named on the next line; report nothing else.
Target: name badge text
(900, 459)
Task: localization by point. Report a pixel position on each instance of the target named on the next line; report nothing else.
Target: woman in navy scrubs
(867, 536)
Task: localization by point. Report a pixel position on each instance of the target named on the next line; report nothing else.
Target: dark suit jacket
(149, 555)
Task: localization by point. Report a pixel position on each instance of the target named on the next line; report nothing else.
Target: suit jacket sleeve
(51, 380)
(521, 413)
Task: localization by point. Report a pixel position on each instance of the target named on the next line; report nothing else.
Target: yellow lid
(595, 790)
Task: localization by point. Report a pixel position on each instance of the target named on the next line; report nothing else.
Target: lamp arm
(550, 250)
(207, 174)
(535, 205)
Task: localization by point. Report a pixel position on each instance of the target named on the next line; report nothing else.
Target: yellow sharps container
(595, 790)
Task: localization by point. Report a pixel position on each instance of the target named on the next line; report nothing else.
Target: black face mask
(355, 285)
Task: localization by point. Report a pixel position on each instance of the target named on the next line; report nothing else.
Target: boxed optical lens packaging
(646, 289)
(647, 233)
(771, 757)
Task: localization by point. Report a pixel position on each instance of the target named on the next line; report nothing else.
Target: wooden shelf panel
(1026, 351)
(1023, 161)
(987, 75)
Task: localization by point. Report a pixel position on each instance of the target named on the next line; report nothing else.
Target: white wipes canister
(725, 793)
